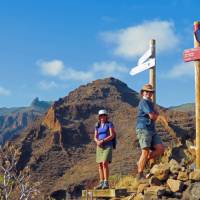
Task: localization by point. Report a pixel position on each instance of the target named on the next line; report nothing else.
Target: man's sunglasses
(148, 91)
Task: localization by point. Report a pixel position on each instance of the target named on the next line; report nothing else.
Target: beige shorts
(147, 139)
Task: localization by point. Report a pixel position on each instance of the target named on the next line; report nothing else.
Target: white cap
(103, 112)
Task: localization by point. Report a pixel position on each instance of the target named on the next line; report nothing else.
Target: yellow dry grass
(127, 182)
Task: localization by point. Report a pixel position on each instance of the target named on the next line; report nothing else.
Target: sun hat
(103, 112)
(147, 87)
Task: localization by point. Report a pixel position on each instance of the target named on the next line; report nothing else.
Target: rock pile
(174, 177)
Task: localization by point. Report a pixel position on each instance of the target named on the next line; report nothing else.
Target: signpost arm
(197, 102)
(152, 70)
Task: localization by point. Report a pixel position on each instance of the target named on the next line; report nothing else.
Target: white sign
(150, 63)
(146, 56)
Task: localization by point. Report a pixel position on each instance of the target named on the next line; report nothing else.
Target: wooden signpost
(148, 61)
(152, 70)
(194, 55)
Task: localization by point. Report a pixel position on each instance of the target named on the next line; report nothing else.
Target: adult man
(149, 140)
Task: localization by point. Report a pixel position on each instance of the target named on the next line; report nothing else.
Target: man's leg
(143, 159)
(158, 151)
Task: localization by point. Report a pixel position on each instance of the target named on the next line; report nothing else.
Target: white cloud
(46, 85)
(77, 75)
(134, 41)
(109, 68)
(180, 70)
(57, 68)
(97, 70)
(4, 92)
(52, 68)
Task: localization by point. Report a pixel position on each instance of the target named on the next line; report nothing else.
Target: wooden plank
(111, 193)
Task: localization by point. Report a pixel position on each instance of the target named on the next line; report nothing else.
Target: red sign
(191, 54)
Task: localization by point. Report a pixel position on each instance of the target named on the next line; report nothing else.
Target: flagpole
(152, 70)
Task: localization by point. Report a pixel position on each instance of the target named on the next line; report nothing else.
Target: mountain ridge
(186, 107)
(16, 119)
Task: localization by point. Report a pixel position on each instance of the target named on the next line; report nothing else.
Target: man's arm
(153, 115)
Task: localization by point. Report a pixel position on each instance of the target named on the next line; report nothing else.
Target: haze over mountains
(59, 147)
(187, 107)
(14, 120)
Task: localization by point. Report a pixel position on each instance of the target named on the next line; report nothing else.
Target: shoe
(140, 176)
(98, 187)
(149, 175)
(105, 185)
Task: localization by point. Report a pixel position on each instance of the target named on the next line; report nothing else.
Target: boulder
(182, 176)
(142, 187)
(195, 175)
(174, 166)
(192, 192)
(160, 171)
(154, 181)
(139, 196)
(175, 185)
(154, 192)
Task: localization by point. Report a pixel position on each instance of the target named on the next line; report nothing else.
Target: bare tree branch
(13, 179)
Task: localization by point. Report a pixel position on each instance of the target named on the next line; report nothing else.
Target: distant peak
(36, 103)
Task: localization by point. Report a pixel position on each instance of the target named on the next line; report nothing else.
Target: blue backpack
(114, 140)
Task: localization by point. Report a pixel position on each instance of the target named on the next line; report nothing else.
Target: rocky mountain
(187, 107)
(60, 150)
(14, 120)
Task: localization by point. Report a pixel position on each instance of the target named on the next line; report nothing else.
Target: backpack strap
(97, 125)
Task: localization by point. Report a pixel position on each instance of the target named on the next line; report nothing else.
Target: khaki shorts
(104, 154)
(147, 139)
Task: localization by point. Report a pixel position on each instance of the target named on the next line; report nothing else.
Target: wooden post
(197, 102)
(152, 70)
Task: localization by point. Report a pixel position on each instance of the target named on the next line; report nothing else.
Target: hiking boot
(149, 175)
(105, 185)
(98, 187)
(140, 177)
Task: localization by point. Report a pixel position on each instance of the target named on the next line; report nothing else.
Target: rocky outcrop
(14, 120)
(54, 126)
(173, 177)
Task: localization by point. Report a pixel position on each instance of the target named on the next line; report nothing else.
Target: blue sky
(49, 47)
